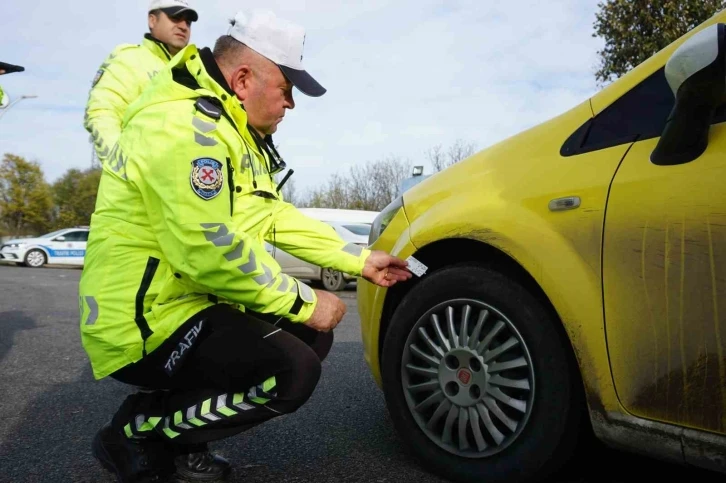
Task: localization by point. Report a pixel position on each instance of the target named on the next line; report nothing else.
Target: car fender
(571, 282)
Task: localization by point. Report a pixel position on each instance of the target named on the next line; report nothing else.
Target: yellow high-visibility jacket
(184, 205)
(120, 80)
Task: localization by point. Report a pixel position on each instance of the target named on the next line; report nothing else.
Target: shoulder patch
(97, 77)
(208, 107)
(206, 177)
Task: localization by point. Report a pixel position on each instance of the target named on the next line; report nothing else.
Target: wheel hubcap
(468, 378)
(463, 376)
(331, 278)
(35, 259)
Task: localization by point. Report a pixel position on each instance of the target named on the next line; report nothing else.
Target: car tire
(536, 434)
(332, 280)
(35, 258)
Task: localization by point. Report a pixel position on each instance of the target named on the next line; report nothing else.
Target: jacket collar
(212, 68)
(157, 47)
(204, 68)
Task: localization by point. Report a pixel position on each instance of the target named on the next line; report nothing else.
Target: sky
(402, 75)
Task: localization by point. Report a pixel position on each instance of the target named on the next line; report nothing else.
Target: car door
(68, 248)
(664, 279)
(57, 248)
(78, 241)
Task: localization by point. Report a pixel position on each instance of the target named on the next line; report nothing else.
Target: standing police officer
(178, 295)
(128, 69)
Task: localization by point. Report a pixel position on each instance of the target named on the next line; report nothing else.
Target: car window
(76, 236)
(362, 229)
(51, 234)
(639, 114)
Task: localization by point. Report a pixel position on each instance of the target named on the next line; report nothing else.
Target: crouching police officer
(178, 296)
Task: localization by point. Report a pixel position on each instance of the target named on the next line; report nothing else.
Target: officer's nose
(289, 101)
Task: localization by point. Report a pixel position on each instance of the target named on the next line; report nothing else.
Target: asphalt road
(50, 408)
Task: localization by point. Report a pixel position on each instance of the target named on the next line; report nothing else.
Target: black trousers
(222, 372)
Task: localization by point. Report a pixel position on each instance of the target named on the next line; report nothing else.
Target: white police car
(63, 247)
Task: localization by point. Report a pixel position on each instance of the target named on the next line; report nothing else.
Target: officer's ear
(153, 19)
(240, 81)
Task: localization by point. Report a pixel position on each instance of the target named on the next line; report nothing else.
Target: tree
(458, 151)
(289, 191)
(634, 30)
(436, 157)
(375, 184)
(368, 187)
(75, 197)
(25, 197)
(333, 194)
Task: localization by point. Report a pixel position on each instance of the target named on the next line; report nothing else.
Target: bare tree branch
(459, 151)
(435, 156)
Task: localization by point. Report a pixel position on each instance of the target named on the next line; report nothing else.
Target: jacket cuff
(304, 305)
(362, 261)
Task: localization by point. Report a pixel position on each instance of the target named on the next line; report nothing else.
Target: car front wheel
(35, 258)
(478, 381)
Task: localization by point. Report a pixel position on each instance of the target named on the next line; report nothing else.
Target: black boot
(132, 461)
(196, 463)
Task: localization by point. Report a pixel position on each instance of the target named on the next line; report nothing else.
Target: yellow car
(575, 284)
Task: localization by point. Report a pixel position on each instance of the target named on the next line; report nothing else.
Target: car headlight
(383, 219)
(15, 245)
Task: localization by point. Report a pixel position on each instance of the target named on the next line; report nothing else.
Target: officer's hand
(384, 269)
(328, 312)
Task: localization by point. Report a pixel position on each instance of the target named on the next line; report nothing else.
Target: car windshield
(362, 229)
(51, 234)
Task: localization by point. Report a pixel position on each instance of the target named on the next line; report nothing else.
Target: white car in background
(62, 247)
(353, 226)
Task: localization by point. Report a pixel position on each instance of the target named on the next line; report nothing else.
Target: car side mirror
(60, 238)
(696, 72)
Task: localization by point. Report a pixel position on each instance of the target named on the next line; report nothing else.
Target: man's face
(173, 31)
(268, 95)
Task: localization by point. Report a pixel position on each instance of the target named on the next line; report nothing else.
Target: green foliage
(634, 30)
(25, 197)
(75, 197)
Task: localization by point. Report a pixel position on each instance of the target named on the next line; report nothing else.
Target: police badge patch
(206, 177)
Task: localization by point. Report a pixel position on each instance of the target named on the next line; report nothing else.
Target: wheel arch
(452, 251)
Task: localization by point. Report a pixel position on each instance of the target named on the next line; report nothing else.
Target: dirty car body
(577, 274)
